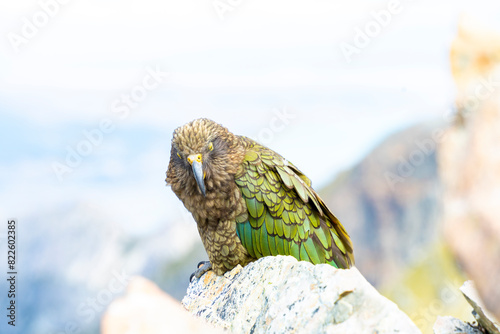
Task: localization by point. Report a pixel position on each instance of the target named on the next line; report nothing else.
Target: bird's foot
(203, 267)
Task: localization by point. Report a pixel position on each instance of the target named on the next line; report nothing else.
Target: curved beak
(197, 165)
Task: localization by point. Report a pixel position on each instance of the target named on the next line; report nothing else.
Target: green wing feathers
(285, 215)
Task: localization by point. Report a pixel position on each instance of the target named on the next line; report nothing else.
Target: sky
(113, 79)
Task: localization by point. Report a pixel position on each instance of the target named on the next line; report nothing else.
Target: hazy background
(260, 59)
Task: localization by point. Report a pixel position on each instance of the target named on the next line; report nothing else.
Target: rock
(279, 294)
(450, 325)
(486, 322)
(480, 313)
(469, 162)
(146, 309)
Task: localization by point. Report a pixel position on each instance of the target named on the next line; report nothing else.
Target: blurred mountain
(389, 203)
(74, 260)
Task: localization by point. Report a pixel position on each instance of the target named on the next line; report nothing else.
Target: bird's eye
(211, 146)
(179, 155)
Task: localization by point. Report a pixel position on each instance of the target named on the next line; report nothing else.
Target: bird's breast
(218, 205)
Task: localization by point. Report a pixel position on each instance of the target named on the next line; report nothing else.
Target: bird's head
(204, 155)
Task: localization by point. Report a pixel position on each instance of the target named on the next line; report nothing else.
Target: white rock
(483, 317)
(450, 325)
(279, 294)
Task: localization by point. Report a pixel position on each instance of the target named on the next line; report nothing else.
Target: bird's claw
(202, 268)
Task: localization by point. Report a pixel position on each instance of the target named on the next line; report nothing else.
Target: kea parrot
(250, 202)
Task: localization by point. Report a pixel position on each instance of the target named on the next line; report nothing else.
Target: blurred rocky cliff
(469, 161)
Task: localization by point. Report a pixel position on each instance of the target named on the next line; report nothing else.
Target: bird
(250, 202)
